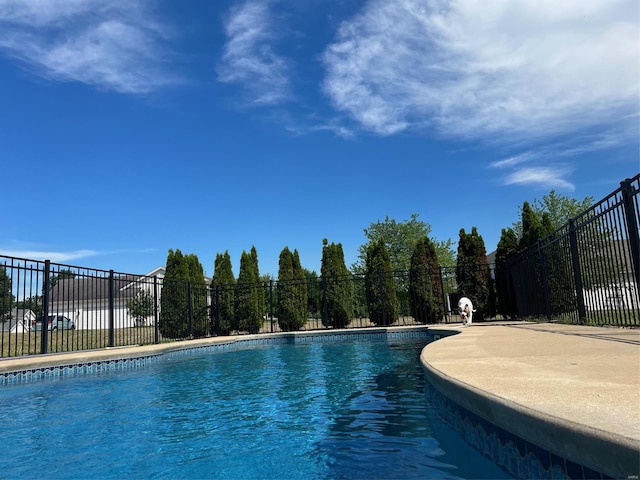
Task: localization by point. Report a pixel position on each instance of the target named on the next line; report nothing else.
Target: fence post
(445, 308)
(46, 285)
(271, 304)
(545, 280)
(575, 262)
(190, 304)
(216, 326)
(324, 315)
(382, 292)
(632, 226)
(156, 333)
(111, 310)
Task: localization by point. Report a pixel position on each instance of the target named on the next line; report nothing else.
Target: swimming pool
(310, 411)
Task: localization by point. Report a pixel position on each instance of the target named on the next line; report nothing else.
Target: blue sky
(129, 128)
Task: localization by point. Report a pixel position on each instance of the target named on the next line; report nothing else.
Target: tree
(472, 271)
(33, 303)
(174, 301)
(200, 325)
(141, 306)
(532, 228)
(223, 288)
(507, 248)
(425, 288)
(560, 209)
(314, 292)
(337, 301)
(292, 292)
(249, 296)
(400, 240)
(183, 303)
(6, 296)
(380, 287)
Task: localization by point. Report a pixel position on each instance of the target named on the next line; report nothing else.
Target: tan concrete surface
(563, 387)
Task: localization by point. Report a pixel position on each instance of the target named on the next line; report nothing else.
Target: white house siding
(612, 297)
(96, 317)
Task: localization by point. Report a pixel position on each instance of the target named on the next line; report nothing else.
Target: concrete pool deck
(572, 390)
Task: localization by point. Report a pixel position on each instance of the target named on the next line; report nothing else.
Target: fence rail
(585, 272)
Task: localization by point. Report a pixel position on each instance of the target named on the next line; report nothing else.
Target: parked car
(54, 322)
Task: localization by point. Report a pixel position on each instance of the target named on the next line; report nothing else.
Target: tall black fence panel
(587, 271)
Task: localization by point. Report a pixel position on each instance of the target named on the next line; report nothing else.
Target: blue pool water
(320, 411)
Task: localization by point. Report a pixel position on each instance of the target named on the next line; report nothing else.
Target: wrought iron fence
(50, 308)
(586, 272)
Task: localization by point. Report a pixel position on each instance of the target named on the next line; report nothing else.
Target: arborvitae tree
(472, 272)
(507, 249)
(292, 289)
(249, 296)
(337, 301)
(264, 301)
(6, 297)
(425, 288)
(532, 229)
(174, 301)
(314, 292)
(200, 324)
(223, 292)
(300, 277)
(380, 287)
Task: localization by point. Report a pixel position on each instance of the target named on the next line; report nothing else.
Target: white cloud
(547, 177)
(505, 70)
(54, 256)
(249, 59)
(514, 160)
(115, 45)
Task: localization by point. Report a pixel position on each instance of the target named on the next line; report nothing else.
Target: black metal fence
(586, 272)
(48, 308)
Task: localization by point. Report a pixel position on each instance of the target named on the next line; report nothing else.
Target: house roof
(96, 288)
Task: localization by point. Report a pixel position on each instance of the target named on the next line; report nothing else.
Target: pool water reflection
(311, 411)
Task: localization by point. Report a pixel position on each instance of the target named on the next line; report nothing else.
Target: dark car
(54, 322)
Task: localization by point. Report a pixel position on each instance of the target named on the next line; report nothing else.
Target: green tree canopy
(425, 288)
(141, 306)
(472, 271)
(559, 208)
(314, 292)
(507, 248)
(6, 296)
(292, 292)
(249, 300)
(183, 303)
(400, 239)
(224, 285)
(337, 302)
(380, 288)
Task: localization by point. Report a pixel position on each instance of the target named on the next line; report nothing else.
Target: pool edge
(606, 452)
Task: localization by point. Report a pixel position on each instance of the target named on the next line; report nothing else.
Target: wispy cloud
(502, 71)
(514, 160)
(249, 59)
(547, 177)
(116, 45)
(54, 256)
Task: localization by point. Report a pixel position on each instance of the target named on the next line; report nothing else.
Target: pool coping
(572, 437)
